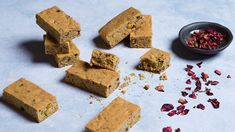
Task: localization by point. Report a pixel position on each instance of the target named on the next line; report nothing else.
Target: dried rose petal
(214, 82)
(187, 88)
(167, 129)
(172, 113)
(185, 112)
(167, 107)
(189, 66)
(204, 76)
(182, 101)
(177, 130)
(191, 73)
(184, 93)
(193, 96)
(208, 83)
(208, 92)
(201, 106)
(188, 81)
(217, 72)
(199, 64)
(229, 76)
(215, 103)
(180, 107)
(160, 88)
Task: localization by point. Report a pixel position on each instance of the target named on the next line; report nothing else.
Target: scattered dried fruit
(185, 112)
(172, 113)
(177, 130)
(193, 96)
(201, 106)
(188, 88)
(199, 64)
(184, 94)
(167, 129)
(160, 88)
(215, 103)
(204, 76)
(217, 72)
(182, 101)
(208, 92)
(167, 107)
(188, 81)
(214, 82)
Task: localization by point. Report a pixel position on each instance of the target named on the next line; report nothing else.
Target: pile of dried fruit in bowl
(205, 39)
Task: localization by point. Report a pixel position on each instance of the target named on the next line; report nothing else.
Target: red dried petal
(208, 92)
(184, 93)
(214, 82)
(201, 106)
(182, 101)
(172, 113)
(185, 112)
(199, 64)
(189, 66)
(167, 107)
(188, 81)
(204, 76)
(187, 88)
(180, 107)
(217, 72)
(193, 96)
(167, 129)
(177, 130)
(215, 103)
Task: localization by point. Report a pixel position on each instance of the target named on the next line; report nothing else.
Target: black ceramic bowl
(187, 30)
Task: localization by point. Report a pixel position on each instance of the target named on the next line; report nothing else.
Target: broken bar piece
(119, 116)
(58, 24)
(121, 26)
(142, 37)
(96, 80)
(31, 99)
(104, 60)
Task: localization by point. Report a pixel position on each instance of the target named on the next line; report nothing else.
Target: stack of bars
(60, 30)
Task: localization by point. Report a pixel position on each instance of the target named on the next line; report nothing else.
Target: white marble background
(21, 55)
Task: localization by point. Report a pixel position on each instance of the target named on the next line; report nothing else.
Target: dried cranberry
(177, 130)
(193, 96)
(188, 81)
(215, 103)
(184, 93)
(199, 64)
(182, 101)
(167, 107)
(217, 72)
(185, 112)
(172, 113)
(201, 106)
(167, 129)
(180, 107)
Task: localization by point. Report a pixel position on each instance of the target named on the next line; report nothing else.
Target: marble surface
(21, 55)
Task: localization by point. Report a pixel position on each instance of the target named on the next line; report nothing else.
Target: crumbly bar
(96, 80)
(63, 60)
(31, 99)
(52, 47)
(121, 26)
(142, 37)
(155, 60)
(119, 116)
(58, 24)
(104, 60)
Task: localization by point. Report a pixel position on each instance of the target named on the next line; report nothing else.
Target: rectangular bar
(58, 24)
(31, 99)
(104, 60)
(155, 60)
(142, 37)
(121, 26)
(63, 60)
(96, 80)
(52, 47)
(119, 116)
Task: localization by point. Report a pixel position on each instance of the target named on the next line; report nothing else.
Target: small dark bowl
(187, 30)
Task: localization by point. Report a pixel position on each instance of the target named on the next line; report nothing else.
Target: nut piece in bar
(104, 60)
(31, 99)
(155, 60)
(96, 80)
(119, 116)
(142, 37)
(58, 24)
(63, 60)
(52, 47)
(121, 26)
